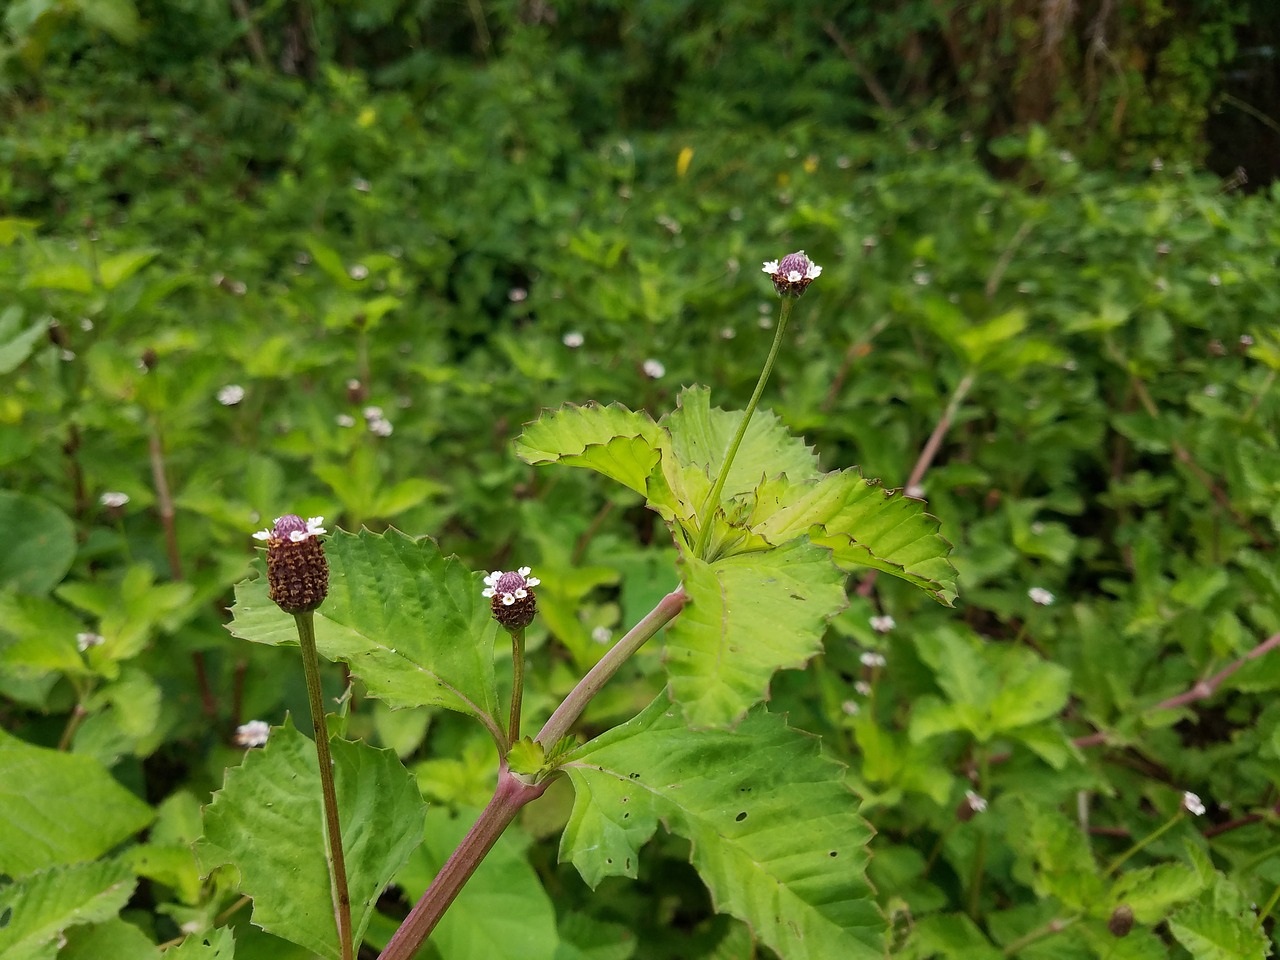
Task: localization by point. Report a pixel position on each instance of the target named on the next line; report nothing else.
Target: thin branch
(877, 92)
(251, 35)
(856, 350)
(1006, 258)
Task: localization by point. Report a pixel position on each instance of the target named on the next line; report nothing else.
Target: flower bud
(1121, 921)
(512, 599)
(792, 274)
(297, 572)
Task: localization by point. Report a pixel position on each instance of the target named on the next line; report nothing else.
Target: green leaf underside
(503, 913)
(409, 621)
(614, 441)
(38, 908)
(268, 822)
(729, 640)
(775, 833)
(59, 808)
(862, 523)
(700, 436)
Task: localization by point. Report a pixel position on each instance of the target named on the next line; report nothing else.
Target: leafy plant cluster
(400, 280)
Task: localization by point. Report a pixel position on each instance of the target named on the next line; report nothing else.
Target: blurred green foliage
(422, 208)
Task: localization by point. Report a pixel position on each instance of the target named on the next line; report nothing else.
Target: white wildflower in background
(358, 271)
(654, 369)
(345, 420)
(920, 278)
(296, 532)
(883, 623)
(86, 640)
(231, 394)
(361, 184)
(601, 634)
(727, 333)
(915, 491)
(1192, 804)
(1215, 280)
(573, 339)
(976, 803)
(510, 586)
(872, 659)
(1041, 596)
(371, 413)
(850, 708)
(1157, 164)
(1246, 340)
(252, 734)
(862, 688)
(86, 324)
(381, 426)
(113, 499)
(517, 294)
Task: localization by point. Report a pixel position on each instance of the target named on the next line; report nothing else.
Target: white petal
(262, 535)
(532, 582)
(814, 272)
(770, 266)
(521, 593)
(508, 600)
(524, 571)
(794, 276)
(487, 592)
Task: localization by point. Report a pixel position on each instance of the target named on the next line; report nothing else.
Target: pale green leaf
(59, 808)
(748, 616)
(118, 18)
(39, 543)
(268, 822)
(1219, 925)
(39, 907)
(775, 833)
(409, 621)
(116, 269)
(42, 637)
(16, 341)
(60, 276)
(950, 936)
(862, 524)
(700, 437)
(503, 913)
(113, 939)
(1151, 892)
(979, 342)
(614, 441)
(214, 945)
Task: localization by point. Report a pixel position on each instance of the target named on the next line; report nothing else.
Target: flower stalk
(517, 683)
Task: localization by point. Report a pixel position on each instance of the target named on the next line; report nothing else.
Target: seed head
(511, 597)
(792, 274)
(1121, 921)
(297, 572)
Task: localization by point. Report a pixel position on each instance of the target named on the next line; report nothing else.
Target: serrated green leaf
(268, 821)
(1151, 891)
(700, 436)
(215, 945)
(40, 543)
(775, 833)
(42, 636)
(949, 936)
(729, 640)
(39, 907)
(503, 913)
(409, 621)
(59, 808)
(614, 441)
(862, 524)
(1053, 856)
(113, 938)
(1219, 925)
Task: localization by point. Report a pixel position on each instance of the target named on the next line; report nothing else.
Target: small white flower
(371, 413)
(253, 734)
(67, 355)
(1246, 340)
(358, 271)
(1157, 164)
(915, 491)
(1163, 248)
(345, 420)
(573, 339)
(380, 426)
(883, 623)
(1192, 804)
(86, 640)
(850, 708)
(601, 634)
(509, 585)
(843, 162)
(313, 528)
(1215, 280)
(976, 803)
(727, 333)
(920, 278)
(654, 369)
(113, 498)
(870, 242)
(872, 659)
(1025, 287)
(86, 324)
(862, 688)
(1041, 596)
(238, 288)
(1212, 390)
(231, 394)
(517, 294)
(361, 184)
(1066, 156)
(302, 258)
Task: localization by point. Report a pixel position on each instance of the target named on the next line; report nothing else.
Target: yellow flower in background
(683, 161)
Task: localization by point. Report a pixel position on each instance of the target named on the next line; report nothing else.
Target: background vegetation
(402, 229)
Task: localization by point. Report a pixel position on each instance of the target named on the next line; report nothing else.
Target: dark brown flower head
(297, 572)
(512, 599)
(792, 274)
(1121, 921)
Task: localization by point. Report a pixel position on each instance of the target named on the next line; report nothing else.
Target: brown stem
(857, 349)
(877, 92)
(251, 35)
(1006, 258)
(925, 460)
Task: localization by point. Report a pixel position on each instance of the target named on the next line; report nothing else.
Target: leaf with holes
(268, 822)
(775, 833)
(748, 617)
(612, 440)
(863, 524)
(409, 621)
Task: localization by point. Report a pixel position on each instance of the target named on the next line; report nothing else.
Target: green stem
(332, 828)
(1266, 907)
(517, 684)
(1057, 925)
(1155, 834)
(713, 498)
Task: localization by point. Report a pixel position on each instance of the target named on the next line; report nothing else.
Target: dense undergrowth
(230, 296)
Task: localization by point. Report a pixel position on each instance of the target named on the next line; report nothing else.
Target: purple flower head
(297, 572)
(511, 597)
(792, 274)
